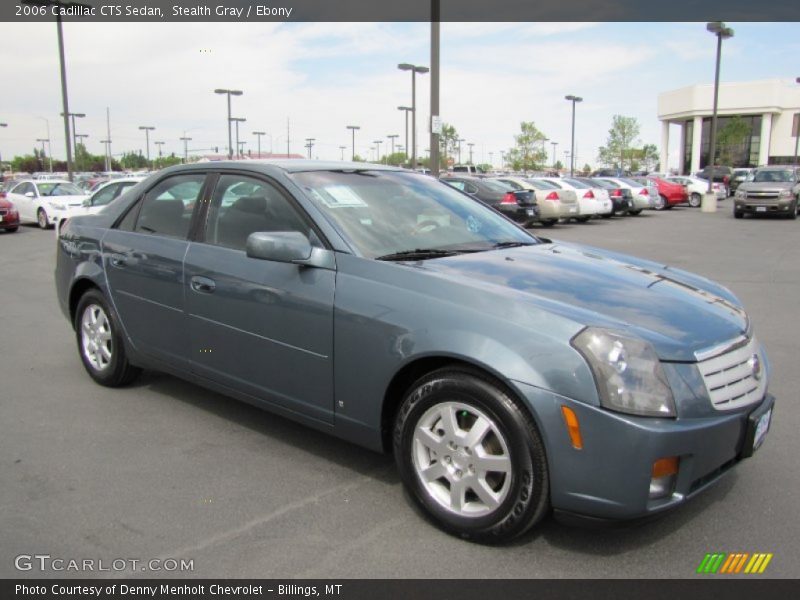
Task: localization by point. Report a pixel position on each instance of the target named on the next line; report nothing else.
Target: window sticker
(337, 196)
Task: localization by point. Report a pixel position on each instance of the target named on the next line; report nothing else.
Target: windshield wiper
(419, 254)
(512, 244)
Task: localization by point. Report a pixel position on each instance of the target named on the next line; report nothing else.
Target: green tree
(396, 159)
(448, 141)
(132, 160)
(558, 166)
(731, 142)
(167, 161)
(486, 167)
(621, 137)
(587, 169)
(529, 153)
(358, 158)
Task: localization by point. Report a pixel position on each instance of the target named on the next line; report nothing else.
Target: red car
(9, 217)
(669, 193)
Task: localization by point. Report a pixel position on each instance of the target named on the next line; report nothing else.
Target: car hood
(676, 311)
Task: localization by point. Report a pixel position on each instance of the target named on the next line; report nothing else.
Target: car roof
(287, 165)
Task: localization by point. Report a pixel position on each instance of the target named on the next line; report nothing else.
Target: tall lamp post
(353, 128)
(147, 129)
(310, 145)
(722, 32)
(406, 109)
(554, 145)
(342, 148)
(107, 152)
(470, 144)
(185, 141)
(378, 147)
(42, 141)
(159, 144)
(238, 120)
(392, 137)
(414, 70)
(229, 93)
(258, 135)
(81, 137)
(574, 99)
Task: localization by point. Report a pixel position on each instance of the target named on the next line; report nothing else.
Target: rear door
(143, 259)
(260, 327)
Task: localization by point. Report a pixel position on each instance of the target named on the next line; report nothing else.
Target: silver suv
(769, 190)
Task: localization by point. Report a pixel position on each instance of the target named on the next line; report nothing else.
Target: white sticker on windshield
(340, 195)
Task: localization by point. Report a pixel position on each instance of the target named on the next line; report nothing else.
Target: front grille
(736, 377)
(762, 195)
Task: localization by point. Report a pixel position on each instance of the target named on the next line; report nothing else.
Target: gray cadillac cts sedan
(509, 375)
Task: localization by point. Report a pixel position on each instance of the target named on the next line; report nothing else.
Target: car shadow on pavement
(322, 445)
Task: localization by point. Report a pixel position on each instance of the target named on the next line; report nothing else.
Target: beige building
(767, 107)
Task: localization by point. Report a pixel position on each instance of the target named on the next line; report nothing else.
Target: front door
(263, 328)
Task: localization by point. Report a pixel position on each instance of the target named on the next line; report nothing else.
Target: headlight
(785, 194)
(58, 206)
(741, 194)
(627, 371)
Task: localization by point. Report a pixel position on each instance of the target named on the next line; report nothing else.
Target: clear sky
(324, 76)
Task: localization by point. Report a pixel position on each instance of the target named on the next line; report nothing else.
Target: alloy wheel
(96, 337)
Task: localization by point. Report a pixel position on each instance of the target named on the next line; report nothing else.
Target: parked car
(388, 309)
(107, 192)
(640, 193)
(772, 190)
(553, 203)
(588, 205)
(518, 205)
(621, 200)
(592, 189)
(469, 169)
(9, 217)
(669, 193)
(738, 177)
(696, 187)
(44, 202)
(610, 173)
(717, 174)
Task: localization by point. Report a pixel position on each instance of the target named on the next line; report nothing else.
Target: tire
(496, 506)
(12, 229)
(581, 219)
(661, 202)
(99, 343)
(738, 214)
(635, 212)
(793, 212)
(549, 222)
(608, 216)
(695, 200)
(41, 219)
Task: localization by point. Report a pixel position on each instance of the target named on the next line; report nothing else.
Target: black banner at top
(401, 10)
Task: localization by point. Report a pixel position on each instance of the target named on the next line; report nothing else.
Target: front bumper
(9, 220)
(756, 206)
(523, 214)
(609, 479)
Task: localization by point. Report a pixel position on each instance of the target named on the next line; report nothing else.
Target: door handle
(203, 285)
(118, 260)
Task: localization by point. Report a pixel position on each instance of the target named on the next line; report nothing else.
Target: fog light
(665, 473)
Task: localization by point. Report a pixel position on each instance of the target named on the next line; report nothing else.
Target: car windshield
(774, 176)
(386, 213)
(59, 189)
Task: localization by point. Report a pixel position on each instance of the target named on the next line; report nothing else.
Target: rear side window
(106, 195)
(167, 208)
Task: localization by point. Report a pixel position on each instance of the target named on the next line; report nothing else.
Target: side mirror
(288, 247)
(87, 202)
(30, 195)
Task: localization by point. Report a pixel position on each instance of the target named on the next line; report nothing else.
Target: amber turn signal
(573, 428)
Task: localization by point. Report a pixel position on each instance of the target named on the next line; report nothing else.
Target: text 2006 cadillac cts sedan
(509, 374)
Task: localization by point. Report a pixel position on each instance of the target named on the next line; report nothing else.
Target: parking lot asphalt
(166, 469)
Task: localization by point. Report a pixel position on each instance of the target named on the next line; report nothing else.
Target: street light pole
(79, 136)
(378, 147)
(42, 140)
(392, 137)
(470, 144)
(722, 32)
(147, 129)
(229, 93)
(353, 128)
(414, 70)
(435, 37)
(406, 109)
(342, 148)
(237, 120)
(797, 131)
(185, 141)
(574, 99)
(554, 144)
(258, 135)
(310, 145)
(159, 144)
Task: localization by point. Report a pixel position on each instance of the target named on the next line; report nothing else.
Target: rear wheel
(661, 202)
(99, 343)
(582, 219)
(549, 222)
(635, 212)
(471, 456)
(695, 200)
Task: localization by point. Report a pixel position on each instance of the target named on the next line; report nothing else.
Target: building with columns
(768, 109)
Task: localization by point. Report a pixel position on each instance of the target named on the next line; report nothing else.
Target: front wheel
(471, 456)
(635, 212)
(99, 343)
(695, 200)
(793, 211)
(41, 219)
(581, 219)
(660, 202)
(549, 222)
(738, 214)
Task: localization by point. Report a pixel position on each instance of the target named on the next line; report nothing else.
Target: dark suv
(772, 190)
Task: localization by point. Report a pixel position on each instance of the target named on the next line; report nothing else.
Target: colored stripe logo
(734, 563)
